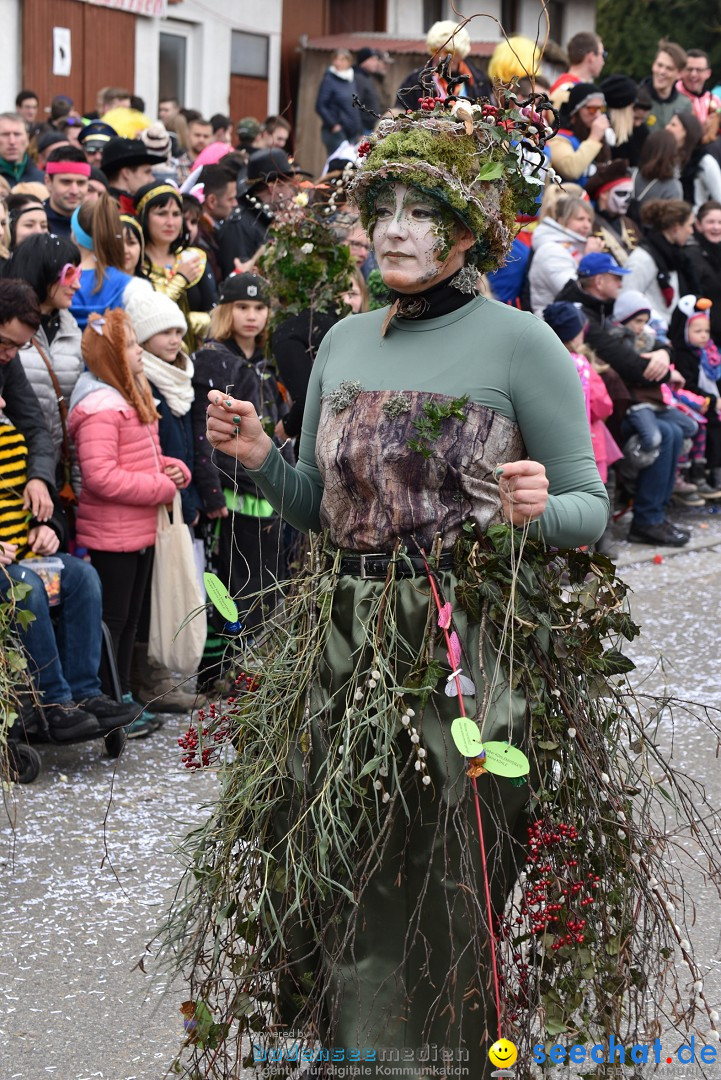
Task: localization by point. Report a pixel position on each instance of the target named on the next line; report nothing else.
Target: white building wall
(405, 18)
(580, 15)
(11, 66)
(207, 28)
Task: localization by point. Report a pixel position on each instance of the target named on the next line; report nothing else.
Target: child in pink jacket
(114, 425)
(569, 324)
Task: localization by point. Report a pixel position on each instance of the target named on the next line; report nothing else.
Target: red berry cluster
(428, 104)
(198, 743)
(364, 149)
(554, 884)
(201, 741)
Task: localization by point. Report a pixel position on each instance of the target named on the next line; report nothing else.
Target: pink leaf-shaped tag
(454, 651)
(444, 616)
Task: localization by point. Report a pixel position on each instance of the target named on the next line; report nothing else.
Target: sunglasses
(70, 274)
(593, 109)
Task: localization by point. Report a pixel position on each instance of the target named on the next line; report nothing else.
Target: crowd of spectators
(130, 287)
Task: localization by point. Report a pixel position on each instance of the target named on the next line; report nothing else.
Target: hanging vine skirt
(338, 889)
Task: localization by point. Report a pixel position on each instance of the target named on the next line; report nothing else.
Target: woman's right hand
(599, 127)
(233, 428)
(189, 265)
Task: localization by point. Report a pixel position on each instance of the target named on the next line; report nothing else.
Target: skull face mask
(618, 198)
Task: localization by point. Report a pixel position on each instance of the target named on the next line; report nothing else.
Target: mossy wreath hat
(483, 163)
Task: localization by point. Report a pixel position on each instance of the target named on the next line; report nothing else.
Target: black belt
(376, 564)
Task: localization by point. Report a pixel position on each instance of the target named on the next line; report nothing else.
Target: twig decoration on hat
(482, 162)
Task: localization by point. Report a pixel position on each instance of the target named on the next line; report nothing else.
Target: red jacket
(123, 482)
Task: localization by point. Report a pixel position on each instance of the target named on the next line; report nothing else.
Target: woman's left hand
(43, 540)
(523, 487)
(176, 474)
(36, 498)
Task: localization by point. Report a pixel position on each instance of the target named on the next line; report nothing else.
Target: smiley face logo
(503, 1054)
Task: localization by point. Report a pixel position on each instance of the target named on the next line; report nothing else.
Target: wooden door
(102, 42)
(248, 97)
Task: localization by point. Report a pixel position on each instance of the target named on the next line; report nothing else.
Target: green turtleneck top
(501, 359)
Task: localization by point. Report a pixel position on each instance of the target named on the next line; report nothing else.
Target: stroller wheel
(114, 742)
(23, 763)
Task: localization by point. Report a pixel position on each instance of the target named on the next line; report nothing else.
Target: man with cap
(369, 71)
(611, 188)
(15, 164)
(270, 182)
(595, 290)
(93, 139)
(128, 165)
(97, 185)
(581, 139)
(49, 140)
(66, 177)
(250, 135)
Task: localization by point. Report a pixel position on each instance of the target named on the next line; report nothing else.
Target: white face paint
(406, 240)
(618, 198)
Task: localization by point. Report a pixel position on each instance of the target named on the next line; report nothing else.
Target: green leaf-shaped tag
(466, 736)
(219, 597)
(502, 759)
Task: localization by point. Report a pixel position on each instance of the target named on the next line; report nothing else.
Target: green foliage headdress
(483, 163)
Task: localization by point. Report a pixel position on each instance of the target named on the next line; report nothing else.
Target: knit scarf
(710, 360)
(15, 168)
(174, 383)
(669, 257)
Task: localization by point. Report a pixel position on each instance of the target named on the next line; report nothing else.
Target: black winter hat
(619, 91)
(580, 94)
(365, 54)
(244, 286)
(265, 166)
(125, 153)
(50, 138)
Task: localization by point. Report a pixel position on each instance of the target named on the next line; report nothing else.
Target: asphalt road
(88, 867)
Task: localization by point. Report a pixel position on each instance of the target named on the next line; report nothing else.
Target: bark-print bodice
(386, 478)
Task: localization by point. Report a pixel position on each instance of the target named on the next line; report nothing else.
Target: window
(555, 16)
(172, 66)
(510, 16)
(432, 12)
(249, 54)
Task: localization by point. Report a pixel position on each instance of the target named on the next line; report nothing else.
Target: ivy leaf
(613, 662)
(492, 170)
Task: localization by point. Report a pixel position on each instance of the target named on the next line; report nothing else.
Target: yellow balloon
(503, 1054)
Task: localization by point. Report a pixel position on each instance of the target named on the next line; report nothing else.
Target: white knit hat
(157, 140)
(448, 37)
(152, 312)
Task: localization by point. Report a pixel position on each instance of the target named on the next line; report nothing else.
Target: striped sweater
(13, 478)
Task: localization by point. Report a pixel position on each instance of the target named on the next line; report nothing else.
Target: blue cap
(600, 262)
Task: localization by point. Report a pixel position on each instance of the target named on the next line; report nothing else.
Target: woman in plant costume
(343, 889)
